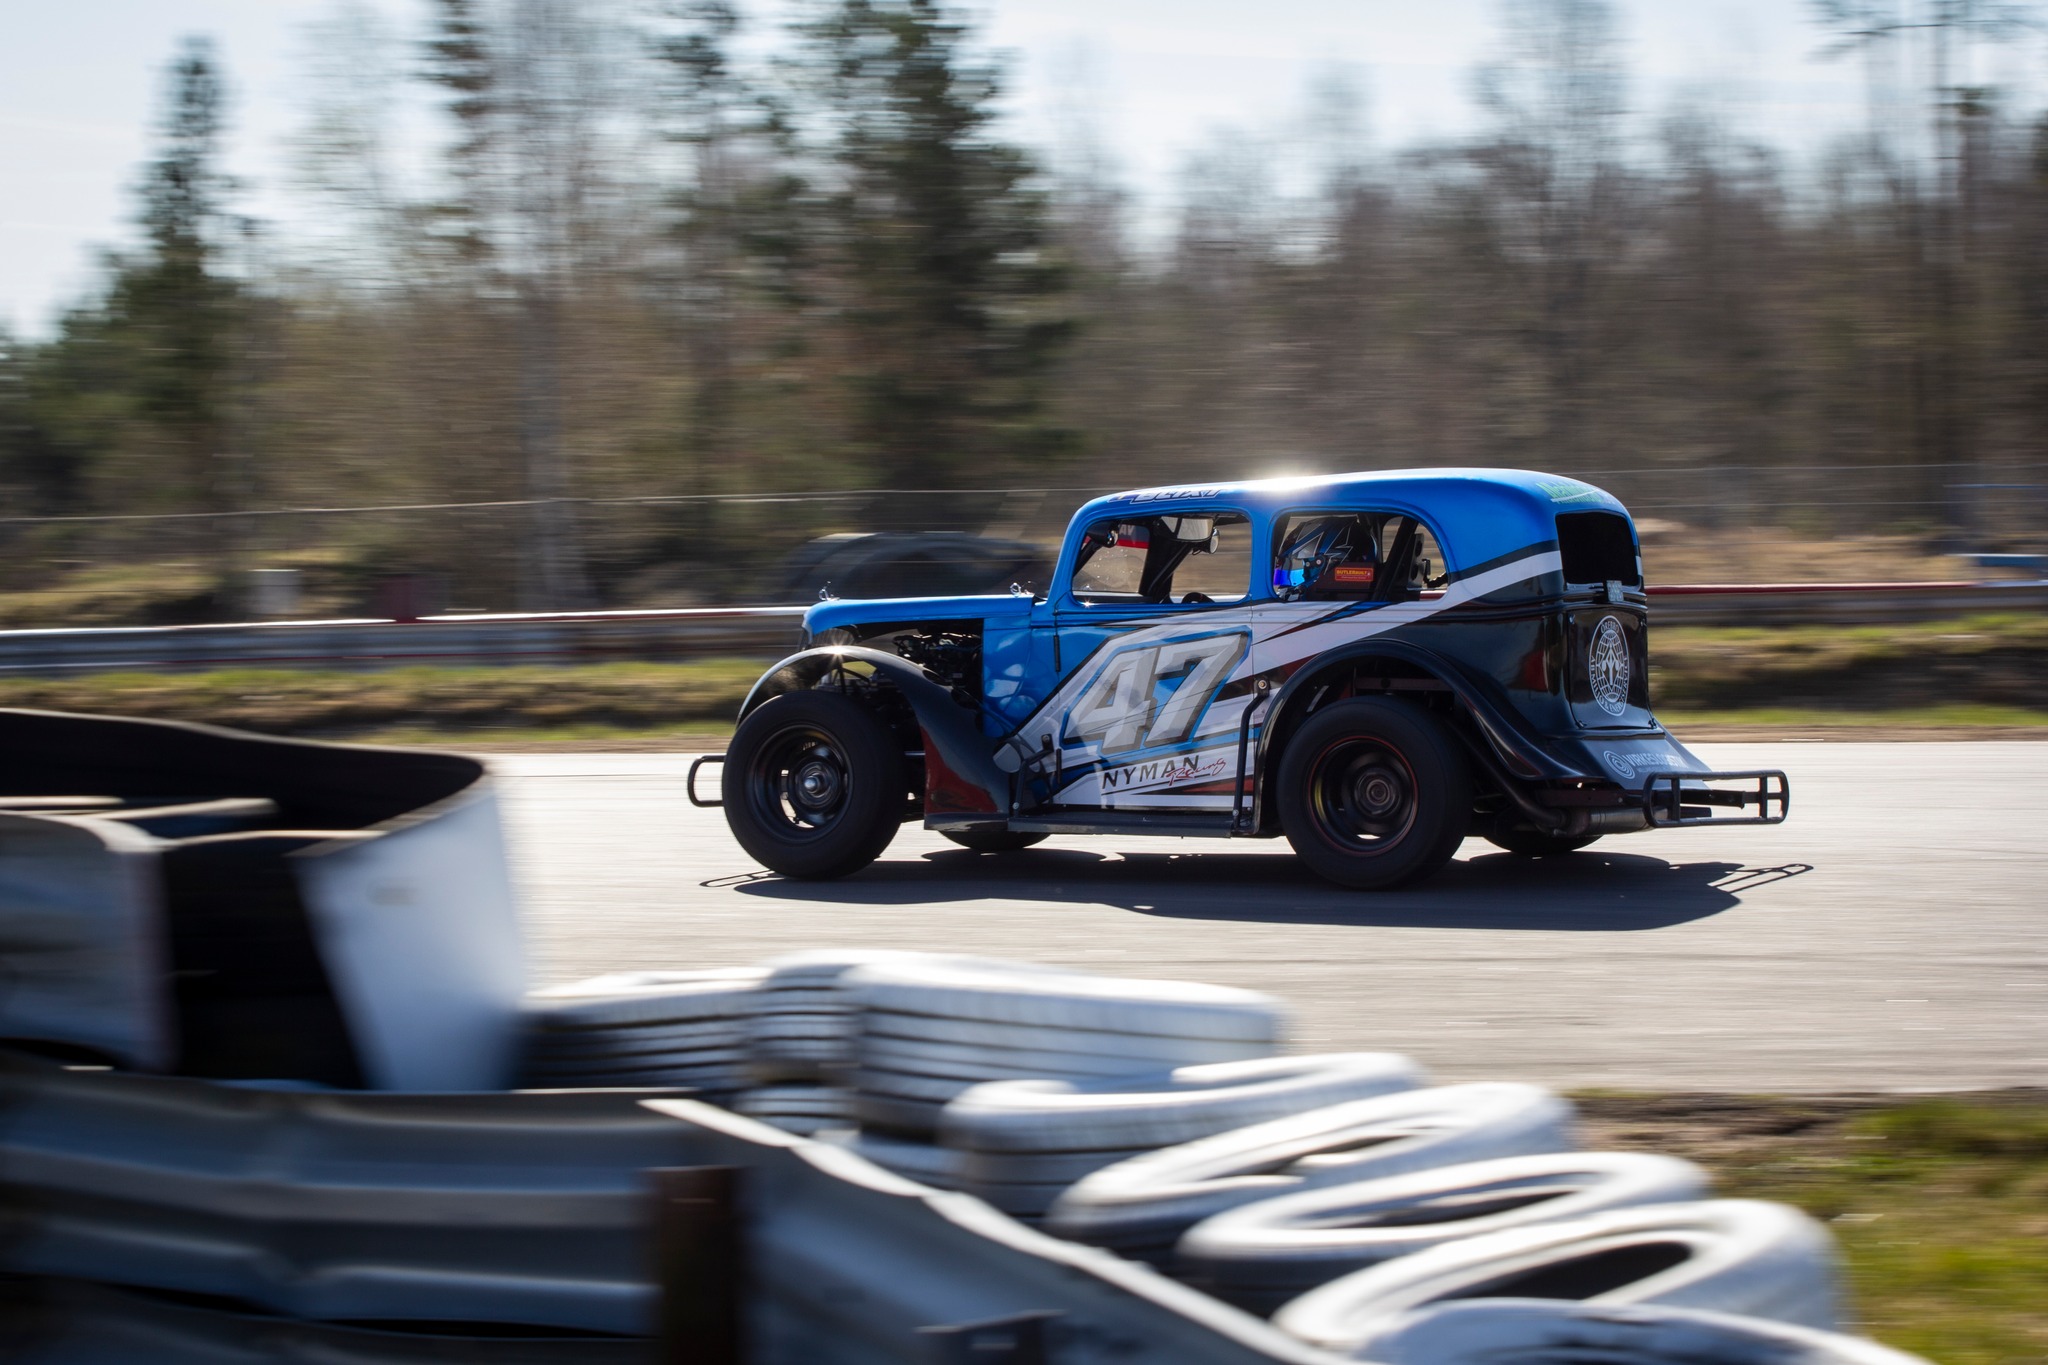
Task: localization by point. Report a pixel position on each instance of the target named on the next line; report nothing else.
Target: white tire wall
(1025, 1141)
(1263, 1254)
(1738, 1256)
(1142, 1206)
(681, 1029)
(930, 1030)
(1557, 1332)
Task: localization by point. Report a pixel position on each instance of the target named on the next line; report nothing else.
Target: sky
(1152, 79)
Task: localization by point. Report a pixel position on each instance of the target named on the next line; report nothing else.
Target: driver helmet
(1336, 551)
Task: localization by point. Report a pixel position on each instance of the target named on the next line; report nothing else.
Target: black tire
(813, 785)
(1373, 794)
(992, 840)
(1525, 842)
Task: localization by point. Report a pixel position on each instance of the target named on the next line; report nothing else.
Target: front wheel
(813, 785)
(992, 840)
(1373, 793)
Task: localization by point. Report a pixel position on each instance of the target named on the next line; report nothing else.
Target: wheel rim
(1362, 794)
(800, 781)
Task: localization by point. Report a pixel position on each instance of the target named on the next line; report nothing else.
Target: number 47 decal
(1117, 709)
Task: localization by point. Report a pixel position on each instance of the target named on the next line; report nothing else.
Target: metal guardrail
(850, 1264)
(771, 632)
(536, 1208)
(509, 1207)
(447, 641)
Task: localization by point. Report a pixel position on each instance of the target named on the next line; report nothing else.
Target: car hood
(909, 610)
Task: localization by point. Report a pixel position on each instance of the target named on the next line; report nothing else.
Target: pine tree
(176, 298)
(943, 250)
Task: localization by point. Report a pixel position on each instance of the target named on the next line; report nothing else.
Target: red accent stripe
(1740, 589)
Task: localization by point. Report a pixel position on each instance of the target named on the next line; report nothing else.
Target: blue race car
(1373, 665)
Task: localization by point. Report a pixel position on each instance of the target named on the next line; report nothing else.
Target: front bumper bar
(1678, 798)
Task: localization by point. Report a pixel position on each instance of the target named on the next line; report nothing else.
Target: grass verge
(1940, 1205)
(1979, 661)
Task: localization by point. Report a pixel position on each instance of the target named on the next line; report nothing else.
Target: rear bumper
(1686, 798)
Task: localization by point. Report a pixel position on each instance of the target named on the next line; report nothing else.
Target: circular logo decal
(1607, 667)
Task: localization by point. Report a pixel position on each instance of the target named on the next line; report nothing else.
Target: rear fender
(1520, 757)
(960, 775)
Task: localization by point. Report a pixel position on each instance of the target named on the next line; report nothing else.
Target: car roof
(1478, 514)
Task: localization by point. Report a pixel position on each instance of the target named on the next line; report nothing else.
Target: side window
(1184, 559)
(1355, 556)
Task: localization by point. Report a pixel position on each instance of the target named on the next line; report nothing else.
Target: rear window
(1598, 547)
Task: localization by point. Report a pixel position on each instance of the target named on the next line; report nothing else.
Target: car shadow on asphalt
(1592, 891)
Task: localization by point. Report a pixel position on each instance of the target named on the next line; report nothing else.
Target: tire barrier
(1264, 1254)
(1550, 1331)
(1024, 1142)
(669, 1029)
(1142, 1206)
(181, 899)
(925, 1162)
(806, 1110)
(805, 1025)
(931, 1030)
(509, 1207)
(1739, 1256)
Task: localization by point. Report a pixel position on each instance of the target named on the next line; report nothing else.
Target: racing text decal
(1120, 710)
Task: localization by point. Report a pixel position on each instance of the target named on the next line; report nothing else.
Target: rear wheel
(813, 785)
(992, 840)
(1373, 794)
(1536, 843)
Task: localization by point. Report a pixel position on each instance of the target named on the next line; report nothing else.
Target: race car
(1374, 666)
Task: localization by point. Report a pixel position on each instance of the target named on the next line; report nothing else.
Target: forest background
(658, 309)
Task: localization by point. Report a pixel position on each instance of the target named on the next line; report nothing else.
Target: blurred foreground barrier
(772, 632)
(443, 641)
(180, 898)
(535, 1208)
(852, 1265)
(59, 1322)
(509, 1207)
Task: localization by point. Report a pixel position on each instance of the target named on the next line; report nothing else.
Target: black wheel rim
(800, 781)
(1362, 794)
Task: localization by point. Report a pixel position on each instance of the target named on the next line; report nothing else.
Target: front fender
(961, 776)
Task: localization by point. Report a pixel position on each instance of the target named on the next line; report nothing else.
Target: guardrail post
(700, 1265)
(1019, 1339)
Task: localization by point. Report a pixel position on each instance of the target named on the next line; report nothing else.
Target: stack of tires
(684, 1029)
(1024, 1143)
(1262, 1254)
(1141, 1207)
(931, 1030)
(1364, 1211)
(803, 1032)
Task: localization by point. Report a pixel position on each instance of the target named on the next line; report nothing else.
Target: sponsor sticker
(1163, 772)
(1607, 667)
(1360, 575)
(1632, 766)
(1563, 491)
(1169, 494)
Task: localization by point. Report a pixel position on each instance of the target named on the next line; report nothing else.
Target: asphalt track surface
(1892, 935)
